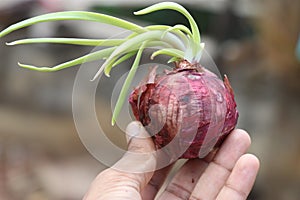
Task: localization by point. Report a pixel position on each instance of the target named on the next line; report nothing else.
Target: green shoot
(178, 42)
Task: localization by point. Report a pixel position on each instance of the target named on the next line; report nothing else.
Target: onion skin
(189, 107)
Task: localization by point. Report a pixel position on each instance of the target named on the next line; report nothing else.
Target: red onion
(186, 97)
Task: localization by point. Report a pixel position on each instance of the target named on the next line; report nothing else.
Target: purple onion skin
(193, 103)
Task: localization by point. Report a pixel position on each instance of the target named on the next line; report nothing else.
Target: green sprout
(178, 41)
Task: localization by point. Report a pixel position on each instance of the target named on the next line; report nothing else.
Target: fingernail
(133, 129)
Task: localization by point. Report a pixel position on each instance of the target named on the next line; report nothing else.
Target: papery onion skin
(189, 101)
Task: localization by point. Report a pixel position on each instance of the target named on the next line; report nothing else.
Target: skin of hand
(228, 173)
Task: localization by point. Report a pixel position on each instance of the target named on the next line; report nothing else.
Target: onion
(186, 101)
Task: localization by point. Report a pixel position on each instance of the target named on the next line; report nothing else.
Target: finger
(131, 173)
(138, 139)
(181, 186)
(217, 172)
(155, 183)
(241, 180)
(159, 177)
(140, 157)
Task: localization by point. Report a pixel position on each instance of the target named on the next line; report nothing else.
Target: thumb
(127, 178)
(138, 139)
(140, 156)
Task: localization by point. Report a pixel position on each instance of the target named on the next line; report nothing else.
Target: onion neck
(185, 64)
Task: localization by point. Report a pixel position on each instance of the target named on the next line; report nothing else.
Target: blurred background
(254, 42)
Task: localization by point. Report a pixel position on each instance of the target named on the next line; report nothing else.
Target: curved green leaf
(182, 28)
(73, 41)
(74, 15)
(134, 43)
(178, 8)
(101, 54)
(126, 85)
(124, 58)
(176, 30)
(153, 44)
(174, 59)
(170, 52)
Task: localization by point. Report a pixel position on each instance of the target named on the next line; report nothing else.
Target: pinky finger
(241, 180)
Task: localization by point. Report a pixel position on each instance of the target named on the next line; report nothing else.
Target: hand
(228, 174)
